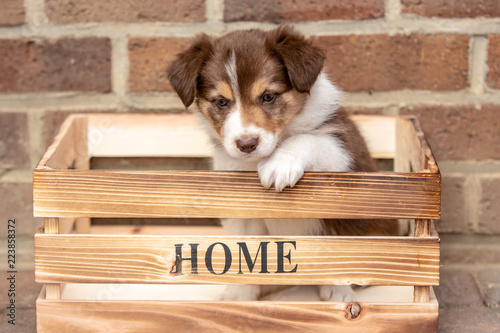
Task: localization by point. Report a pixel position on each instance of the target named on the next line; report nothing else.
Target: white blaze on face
(234, 129)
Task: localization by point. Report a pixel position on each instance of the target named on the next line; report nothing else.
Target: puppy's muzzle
(248, 145)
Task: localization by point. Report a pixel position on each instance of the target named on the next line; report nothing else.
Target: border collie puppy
(269, 108)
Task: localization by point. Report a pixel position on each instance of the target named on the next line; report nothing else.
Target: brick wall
(439, 60)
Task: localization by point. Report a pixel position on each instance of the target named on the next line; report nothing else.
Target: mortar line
(120, 65)
(485, 168)
(392, 10)
(159, 100)
(214, 11)
(61, 100)
(35, 134)
(478, 66)
(472, 198)
(405, 25)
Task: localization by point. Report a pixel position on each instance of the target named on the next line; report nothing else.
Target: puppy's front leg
(299, 153)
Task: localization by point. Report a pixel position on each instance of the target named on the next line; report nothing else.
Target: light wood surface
(318, 260)
(141, 135)
(166, 316)
(69, 148)
(76, 193)
(51, 227)
(422, 229)
(181, 135)
(379, 133)
(64, 188)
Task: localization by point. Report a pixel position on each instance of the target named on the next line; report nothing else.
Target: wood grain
(140, 135)
(379, 133)
(166, 316)
(318, 260)
(51, 227)
(181, 135)
(422, 229)
(69, 148)
(76, 193)
(413, 153)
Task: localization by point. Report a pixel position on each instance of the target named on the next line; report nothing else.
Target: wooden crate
(70, 251)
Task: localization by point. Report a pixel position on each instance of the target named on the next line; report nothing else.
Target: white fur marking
(299, 153)
(233, 130)
(321, 104)
(233, 76)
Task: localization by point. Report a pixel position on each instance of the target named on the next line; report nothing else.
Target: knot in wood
(353, 311)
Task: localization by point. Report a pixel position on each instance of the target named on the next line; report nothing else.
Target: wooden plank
(379, 133)
(413, 153)
(66, 225)
(423, 230)
(178, 230)
(300, 260)
(69, 148)
(94, 193)
(181, 135)
(82, 225)
(51, 227)
(162, 316)
(429, 163)
(140, 135)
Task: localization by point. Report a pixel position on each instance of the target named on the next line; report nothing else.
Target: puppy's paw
(280, 169)
(337, 293)
(240, 293)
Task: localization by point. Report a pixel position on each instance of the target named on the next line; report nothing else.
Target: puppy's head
(248, 84)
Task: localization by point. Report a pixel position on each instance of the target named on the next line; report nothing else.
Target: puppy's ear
(302, 59)
(184, 70)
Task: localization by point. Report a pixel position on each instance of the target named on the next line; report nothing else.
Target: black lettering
(227, 255)
(280, 264)
(179, 259)
(248, 259)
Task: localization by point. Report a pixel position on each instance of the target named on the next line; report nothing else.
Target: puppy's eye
(268, 97)
(221, 102)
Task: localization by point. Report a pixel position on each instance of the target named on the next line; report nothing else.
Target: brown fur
(348, 133)
(281, 61)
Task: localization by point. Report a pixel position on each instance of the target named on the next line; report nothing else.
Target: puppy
(269, 108)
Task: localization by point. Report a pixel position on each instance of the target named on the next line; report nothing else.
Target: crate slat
(181, 135)
(228, 260)
(76, 193)
(166, 316)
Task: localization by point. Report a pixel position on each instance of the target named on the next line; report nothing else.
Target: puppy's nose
(247, 146)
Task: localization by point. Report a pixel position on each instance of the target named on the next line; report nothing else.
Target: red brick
(451, 8)
(149, 58)
(55, 65)
(69, 11)
(489, 217)
(291, 10)
(382, 62)
(493, 78)
(453, 218)
(13, 140)
(460, 132)
(12, 12)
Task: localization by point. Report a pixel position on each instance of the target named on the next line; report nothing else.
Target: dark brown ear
(184, 70)
(302, 59)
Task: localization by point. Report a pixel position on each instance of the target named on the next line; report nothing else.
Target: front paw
(337, 293)
(280, 169)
